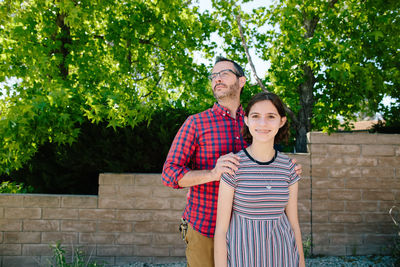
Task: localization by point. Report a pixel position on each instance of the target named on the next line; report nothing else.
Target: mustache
(219, 84)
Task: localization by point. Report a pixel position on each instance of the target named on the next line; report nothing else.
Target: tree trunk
(65, 38)
(305, 113)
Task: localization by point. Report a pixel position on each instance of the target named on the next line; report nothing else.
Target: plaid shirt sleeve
(179, 155)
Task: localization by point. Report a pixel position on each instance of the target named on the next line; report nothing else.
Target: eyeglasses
(223, 74)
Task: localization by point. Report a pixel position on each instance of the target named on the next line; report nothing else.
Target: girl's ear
(245, 120)
(283, 121)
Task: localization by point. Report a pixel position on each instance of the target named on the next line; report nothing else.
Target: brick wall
(355, 180)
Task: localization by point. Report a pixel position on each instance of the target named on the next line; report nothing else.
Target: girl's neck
(262, 152)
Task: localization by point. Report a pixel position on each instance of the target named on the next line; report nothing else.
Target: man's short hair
(239, 69)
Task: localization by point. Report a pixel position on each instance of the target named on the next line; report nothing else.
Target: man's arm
(226, 163)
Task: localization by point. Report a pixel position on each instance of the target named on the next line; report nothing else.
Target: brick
(135, 191)
(377, 150)
(345, 194)
(155, 227)
(167, 192)
(60, 213)
(364, 206)
(21, 237)
(318, 149)
(320, 194)
(378, 239)
(178, 252)
(108, 190)
(361, 183)
(168, 215)
(18, 261)
(134, 215)
(388, 139)
(10, 249)
(11, 200)
(168, 239)
(36, 249)
(89, 202)
(320, 217)
(360, 161)
(116, 179)
(326, 160)
(115, 203)
(365, 228)
(346, 239)
(22, 213)
(41, 225)
(397, 150)
(148, 179)
(319, 172)
(329, 183)
(389, 161)
(344, 172)
(10, 225)
(134, 239)
(150, 204)
(41, 201)
(345, 218)
(377, 218)
(78, 226)
(377, 195)
(63, 238)
(321, 238)
(151, 251)
(378, 172)
(177, 204)
(328, 250)
(385, 183)
(115, 250)
(114, 227)
(97, 214)
(344, 149)
(98, 238)
(385, 206)
(328, 205)
(328, 228)
(1, 213)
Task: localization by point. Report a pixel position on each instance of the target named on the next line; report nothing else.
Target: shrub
(14, 188)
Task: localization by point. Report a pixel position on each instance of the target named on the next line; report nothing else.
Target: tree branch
(287, 109)
(246, 49)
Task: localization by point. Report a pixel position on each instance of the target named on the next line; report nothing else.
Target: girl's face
(264, 121)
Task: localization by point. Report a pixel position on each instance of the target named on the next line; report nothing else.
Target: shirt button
(223, 114)
(237, 137)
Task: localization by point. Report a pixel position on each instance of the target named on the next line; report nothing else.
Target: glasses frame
(214, 75)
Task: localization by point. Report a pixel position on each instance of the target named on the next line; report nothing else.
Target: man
(202, 150)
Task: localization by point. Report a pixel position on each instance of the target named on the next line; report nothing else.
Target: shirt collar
(224, 111)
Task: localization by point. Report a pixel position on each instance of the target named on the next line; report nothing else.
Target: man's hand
(298, 168)
(227, 163)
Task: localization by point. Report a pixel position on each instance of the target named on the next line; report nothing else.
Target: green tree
(103, 61)
(328, 58)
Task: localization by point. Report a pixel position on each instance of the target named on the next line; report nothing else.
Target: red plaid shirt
(201, 140)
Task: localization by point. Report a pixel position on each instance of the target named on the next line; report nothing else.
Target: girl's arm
(291, 212)
(225, 199)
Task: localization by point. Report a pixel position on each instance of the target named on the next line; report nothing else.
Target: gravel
(359, 261)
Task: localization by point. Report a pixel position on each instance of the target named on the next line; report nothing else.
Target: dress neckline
(261, 162)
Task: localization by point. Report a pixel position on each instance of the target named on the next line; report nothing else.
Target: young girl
(257, 222)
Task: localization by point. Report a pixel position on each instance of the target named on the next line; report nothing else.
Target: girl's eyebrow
(269, 113)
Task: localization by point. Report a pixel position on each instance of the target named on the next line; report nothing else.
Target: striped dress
(259, 233)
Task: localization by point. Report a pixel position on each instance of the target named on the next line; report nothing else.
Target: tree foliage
(112, 62)
(328, 58)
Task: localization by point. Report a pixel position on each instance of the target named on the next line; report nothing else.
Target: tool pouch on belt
(183, 228)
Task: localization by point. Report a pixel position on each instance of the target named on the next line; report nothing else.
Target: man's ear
(242, 81)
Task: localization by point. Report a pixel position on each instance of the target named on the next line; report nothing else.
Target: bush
(14, 188)
(75, 169)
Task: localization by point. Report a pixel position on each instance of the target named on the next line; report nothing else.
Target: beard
(231, 92)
